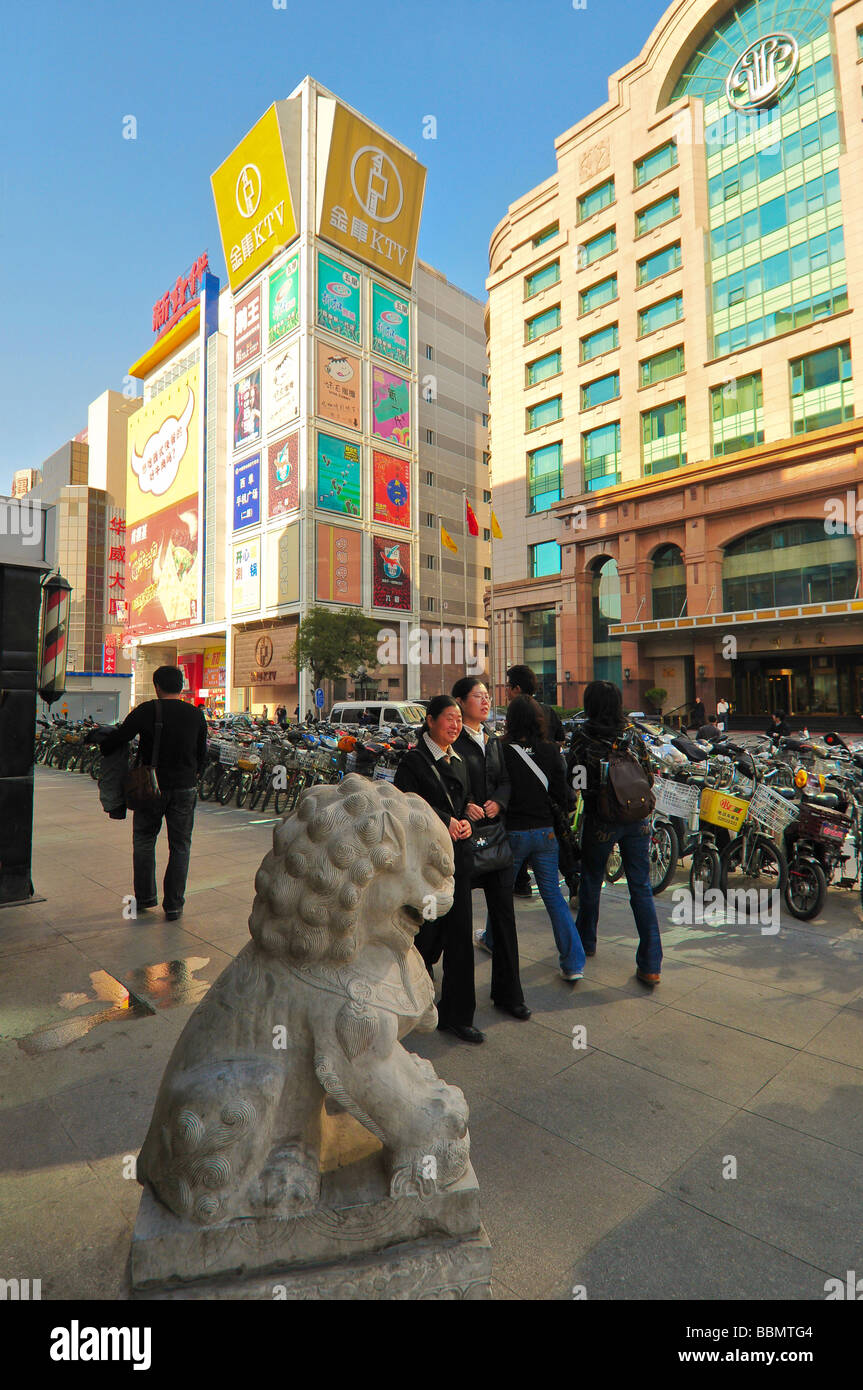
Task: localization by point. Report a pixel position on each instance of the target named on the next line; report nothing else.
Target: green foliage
(656, 695)
(333, 643)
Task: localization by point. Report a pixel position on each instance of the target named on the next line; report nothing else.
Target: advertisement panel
(213, 675)
(372, 192)
(283, 565)
(284, 295)
(283, 468)
(247, 576)
(391, 502)
(391, 325)
(391, 573)
(339, 565)
(247, 329)
(247, 409)
(253, 200)
(283, 388)
(339, 481)
(338, 300)
(391, 408)
(162, 576)
(247, 492)
(340, 377)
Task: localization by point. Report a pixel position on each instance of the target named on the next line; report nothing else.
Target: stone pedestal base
(359, 1243)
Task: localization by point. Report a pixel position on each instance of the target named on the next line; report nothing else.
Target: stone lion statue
(313, 1009)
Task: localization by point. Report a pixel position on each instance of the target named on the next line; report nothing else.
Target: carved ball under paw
(289, 1184)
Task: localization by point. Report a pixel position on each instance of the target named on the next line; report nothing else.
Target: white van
(376, 713)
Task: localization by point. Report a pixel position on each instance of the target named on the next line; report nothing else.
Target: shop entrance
(779, 692)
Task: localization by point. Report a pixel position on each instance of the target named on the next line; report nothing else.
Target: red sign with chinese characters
(247, 329)
(184, 296)
(109, 663)
(116, 580)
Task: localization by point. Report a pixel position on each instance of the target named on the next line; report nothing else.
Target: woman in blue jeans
(605, 728)
(536, 773)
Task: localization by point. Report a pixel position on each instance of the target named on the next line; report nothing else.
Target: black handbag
(492, 851)
(141, 785)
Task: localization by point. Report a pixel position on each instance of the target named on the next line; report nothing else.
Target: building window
(429, 605)
(544, 412)
(655, 214)
(601, 293)
(736, 409)
(600, 455)
(484, 418)
(429, 436)
(541, 279)
(429, 521)
(545, 322)
(661, 366)
(486, 458)
(669, 583)
(486, 533)
(656, 163)
(543, 559)
(600, 197)
(486, 574)
(429, 352)
(547, 235)
(597, 247)
(484, 376)
(663, 438)
(660, 263)
(660, 315)
(486, 495)
(544, 477)
(543, 368)
(605, 388)
(595, 344)
(429, 478)
(429, 562)
(822, 390)
(793, 562)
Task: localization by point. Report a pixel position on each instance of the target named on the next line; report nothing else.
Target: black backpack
(625, 795)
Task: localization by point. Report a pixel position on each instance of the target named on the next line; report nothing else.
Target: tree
(332, 644)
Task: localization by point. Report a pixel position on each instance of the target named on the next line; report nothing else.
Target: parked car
(376, 713)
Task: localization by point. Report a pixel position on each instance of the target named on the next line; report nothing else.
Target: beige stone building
(672, 339)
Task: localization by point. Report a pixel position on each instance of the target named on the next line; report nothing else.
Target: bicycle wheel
(664, 853)
(784, 776)
(806, 889)
(257, 790)
(614, 865)
(752, 862)
(226, 787)
(244, 786)
(704, 868)
(209, 778)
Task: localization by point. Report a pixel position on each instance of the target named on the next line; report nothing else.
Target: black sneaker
(173, 914)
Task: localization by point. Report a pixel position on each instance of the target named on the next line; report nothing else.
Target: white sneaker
(479, 940)
(571, 974)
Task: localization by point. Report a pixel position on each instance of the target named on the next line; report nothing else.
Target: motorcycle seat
(787, 792)
(827, 799)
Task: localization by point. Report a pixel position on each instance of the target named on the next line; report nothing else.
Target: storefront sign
(391, 488)
(117, 605)
(339, 300)
(253, 199)
(339, 565)
(246, 589)
(247, 329)
(339, 485)
(176, 303)
(283, 459)
(247, 492)
(391, 325)
(109, 655)
(265, 657)
(391, 573)
(339, 387)
(391, 408)
(282, 400)
(284, 295)
(283, 556)
(247, 409)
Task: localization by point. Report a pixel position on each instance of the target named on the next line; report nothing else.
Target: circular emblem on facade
(377, 184)
(263, 651)
(762, 72)
(248, 191)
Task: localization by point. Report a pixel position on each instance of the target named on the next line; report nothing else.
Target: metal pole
(464, 564)
(491, 652)
(440, 590)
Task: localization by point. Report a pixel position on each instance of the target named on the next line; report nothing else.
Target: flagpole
(440, 590)
(464, 564)
(492, 670)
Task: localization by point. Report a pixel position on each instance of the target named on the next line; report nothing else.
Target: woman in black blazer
(490, 793)
(434, 771)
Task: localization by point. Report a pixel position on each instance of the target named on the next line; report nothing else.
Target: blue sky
(95, 227)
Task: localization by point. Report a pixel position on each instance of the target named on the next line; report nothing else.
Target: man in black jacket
(182, 755)
(521, 680)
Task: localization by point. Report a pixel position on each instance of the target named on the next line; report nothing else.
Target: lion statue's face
(357, 861)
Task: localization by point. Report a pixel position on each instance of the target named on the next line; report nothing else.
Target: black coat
(417, 772)
(489, 779)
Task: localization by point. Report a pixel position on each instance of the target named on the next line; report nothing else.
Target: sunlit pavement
(703, 1139)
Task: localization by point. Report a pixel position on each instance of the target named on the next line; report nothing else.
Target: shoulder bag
(570, 850)
(141, 784)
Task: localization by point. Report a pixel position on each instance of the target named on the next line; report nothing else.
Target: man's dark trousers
(178, 809)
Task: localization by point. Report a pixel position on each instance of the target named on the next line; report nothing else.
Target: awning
(802, 612)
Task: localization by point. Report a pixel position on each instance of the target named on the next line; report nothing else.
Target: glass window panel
(605, 388)
(598, 246)
(543, 323)
(598, 198)
(595, 344)
(544, 559)
(662, 365)
(660, 263)
(656, 163)
(547, 235)
(544, 367)
(541, 279)
(544, 412)
(597, 295)
(657, 213)
(772, 215)
(660, 315)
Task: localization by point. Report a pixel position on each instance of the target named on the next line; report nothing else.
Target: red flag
(472, 523)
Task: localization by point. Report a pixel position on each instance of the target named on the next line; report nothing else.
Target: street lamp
(626, 673)
(702, 672)
(53, 651)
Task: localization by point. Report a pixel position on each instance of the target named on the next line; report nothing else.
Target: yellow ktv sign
(370, 192)
(253, 200)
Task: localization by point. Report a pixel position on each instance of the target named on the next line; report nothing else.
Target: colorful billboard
(247, 329)
(391, 408)
(391, 573)
(391, 502)
(372, 192)
(283, 565)
(339, 300)
(162, 576)
(339, 565)
(340, 377)
(339, 483)
(246, 587)
(391, 325)
(283, 468)
(213, 671)
(247, 409)
(254, 207)
(282, 376)
(284, 295)
(247, 492)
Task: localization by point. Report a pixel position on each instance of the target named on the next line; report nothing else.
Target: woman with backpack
(609, 765)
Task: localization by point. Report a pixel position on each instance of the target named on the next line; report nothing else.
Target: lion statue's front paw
(289, 1184)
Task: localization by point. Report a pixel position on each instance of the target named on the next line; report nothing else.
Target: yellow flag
(495, 528)
(447, 539)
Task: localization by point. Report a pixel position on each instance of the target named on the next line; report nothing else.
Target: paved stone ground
(600, 1166)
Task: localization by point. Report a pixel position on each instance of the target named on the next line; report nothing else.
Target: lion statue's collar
(382, 977)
